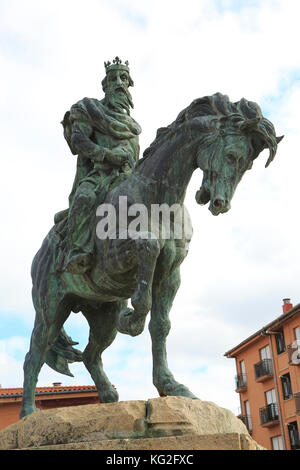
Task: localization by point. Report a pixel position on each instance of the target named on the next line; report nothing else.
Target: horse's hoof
(142, 301)
(109, 396)
(28, 411)
(128, 325)
(177, 390)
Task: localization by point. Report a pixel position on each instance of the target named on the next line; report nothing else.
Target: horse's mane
(211, 109)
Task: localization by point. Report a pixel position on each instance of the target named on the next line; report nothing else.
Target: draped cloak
(111, 129)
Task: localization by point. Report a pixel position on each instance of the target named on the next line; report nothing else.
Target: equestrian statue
(87, 265)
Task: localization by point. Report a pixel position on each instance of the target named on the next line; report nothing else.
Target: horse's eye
(233, 158)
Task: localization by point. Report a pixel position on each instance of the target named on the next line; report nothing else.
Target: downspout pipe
(241, 404)
(270, 333)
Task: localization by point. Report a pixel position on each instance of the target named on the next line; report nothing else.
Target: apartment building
(268, 380)
(45, 398)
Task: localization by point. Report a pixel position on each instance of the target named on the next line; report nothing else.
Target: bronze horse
(219, 137)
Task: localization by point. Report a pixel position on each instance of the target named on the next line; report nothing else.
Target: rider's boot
(80, 236)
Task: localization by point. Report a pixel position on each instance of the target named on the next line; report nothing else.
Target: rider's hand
(118, 158)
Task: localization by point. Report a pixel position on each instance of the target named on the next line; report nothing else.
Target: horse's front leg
(140, 254)
(162, 299)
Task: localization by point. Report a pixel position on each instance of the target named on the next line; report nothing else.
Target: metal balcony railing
(263, 368)
(269, 414)
(240, 382)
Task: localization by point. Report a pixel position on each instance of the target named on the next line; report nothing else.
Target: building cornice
(271, 327)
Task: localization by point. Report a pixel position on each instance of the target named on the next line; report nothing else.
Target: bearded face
(117, 95)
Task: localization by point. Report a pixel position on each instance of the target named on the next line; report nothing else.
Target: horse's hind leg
(47, 326)
(32, 365)
(103, 330)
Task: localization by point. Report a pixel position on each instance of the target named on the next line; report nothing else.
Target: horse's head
(232, 136)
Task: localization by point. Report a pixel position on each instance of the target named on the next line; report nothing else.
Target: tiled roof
(18, 392)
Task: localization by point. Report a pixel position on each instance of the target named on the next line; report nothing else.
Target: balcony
(263, 370)
(240, 383)
(293, 354)
(269, 415)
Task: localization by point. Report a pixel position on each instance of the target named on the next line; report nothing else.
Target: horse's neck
(169, 169)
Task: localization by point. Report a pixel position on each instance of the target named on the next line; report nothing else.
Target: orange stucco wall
(9, 414)
(10, 408)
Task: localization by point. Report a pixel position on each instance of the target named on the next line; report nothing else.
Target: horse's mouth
(215, 210)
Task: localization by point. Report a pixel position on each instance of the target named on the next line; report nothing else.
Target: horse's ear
(279, 139)
(271, 156)
(273, 151)
(249, 124)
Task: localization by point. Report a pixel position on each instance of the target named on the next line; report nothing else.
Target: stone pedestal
(169, 423)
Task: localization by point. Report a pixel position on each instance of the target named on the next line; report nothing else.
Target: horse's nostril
(218, 203)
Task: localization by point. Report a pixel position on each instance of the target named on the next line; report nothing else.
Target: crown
(116, 65)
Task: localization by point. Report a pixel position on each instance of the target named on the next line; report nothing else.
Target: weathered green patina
(219, 137)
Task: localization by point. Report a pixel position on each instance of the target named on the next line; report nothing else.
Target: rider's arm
(83, 145)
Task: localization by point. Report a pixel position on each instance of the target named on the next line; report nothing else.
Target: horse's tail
(62, 353)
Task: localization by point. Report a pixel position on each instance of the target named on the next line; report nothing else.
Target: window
(286, 386)
(272, 404)
(248, 416)
(277, 443)
(241, 381)
(242, 367)
(270, 396)
(265, 353)
(280, 343)
(294, 435)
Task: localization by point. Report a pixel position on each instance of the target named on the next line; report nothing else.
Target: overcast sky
(241, 264)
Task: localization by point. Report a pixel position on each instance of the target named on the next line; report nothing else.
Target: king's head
(116, 83)
(118, 67)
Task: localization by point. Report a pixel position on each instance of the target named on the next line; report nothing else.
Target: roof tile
(19, 390)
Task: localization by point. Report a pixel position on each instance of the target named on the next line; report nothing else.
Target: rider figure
(105, 138)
